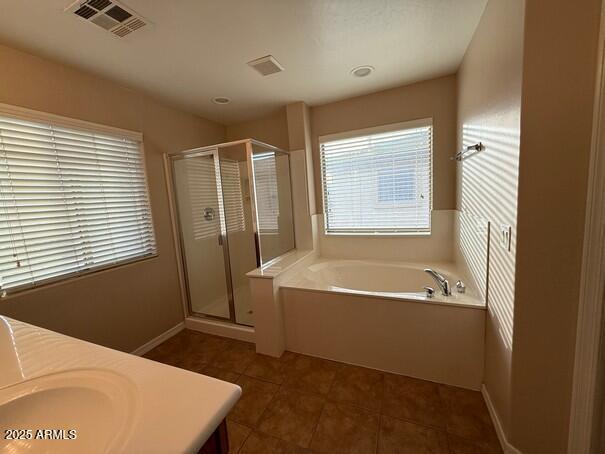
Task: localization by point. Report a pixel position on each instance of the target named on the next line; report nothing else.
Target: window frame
(22, 113)
(391, 127)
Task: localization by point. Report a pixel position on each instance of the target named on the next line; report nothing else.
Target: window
(71, 201)
(378, 180)
(267, 200)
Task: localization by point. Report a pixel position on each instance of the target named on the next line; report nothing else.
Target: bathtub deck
(297, 402)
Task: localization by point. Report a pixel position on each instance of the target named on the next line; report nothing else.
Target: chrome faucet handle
(430, 291)
(460, 287)
(445, 287)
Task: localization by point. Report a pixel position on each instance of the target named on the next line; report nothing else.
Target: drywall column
(269, 324)
(301, 165)
(559, 77)
(269, 331)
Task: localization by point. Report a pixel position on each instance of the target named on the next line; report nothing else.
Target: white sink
(99, 405)
(117, 403)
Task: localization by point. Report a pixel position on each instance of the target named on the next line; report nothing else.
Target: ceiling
(197, 49)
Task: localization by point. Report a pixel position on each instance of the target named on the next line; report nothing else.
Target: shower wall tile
(436, 247)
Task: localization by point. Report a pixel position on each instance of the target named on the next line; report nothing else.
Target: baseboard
(218, 328)
(507, 448)
(159, 339)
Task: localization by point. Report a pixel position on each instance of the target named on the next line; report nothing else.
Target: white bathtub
(376, 314)
(396, 280)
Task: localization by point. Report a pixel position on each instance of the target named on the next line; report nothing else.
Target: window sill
(380, 235)
(66, 279)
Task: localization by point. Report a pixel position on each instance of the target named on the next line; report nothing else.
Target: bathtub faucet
(441, 281)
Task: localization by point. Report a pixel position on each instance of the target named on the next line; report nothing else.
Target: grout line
(314, 431)
(260, 417)
(245, 438)
(377, 445)
(416, 423)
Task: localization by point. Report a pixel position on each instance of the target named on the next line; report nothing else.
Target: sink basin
(84, 410)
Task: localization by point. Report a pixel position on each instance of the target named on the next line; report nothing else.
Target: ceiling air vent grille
(135, 23)
(109, 15)
(266, 65)
(85, 12)
(99, 4)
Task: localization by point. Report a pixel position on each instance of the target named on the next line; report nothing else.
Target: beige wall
(434, 98)
(127, 306)
(489, 105)
(271, 129)
(559, 68)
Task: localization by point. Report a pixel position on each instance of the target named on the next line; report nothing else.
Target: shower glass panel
(240, 228)
(198, 202)
(234, 212)
(273, 201)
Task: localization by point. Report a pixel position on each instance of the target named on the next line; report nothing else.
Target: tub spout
(441, 281)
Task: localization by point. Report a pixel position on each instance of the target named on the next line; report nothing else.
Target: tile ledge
(280, 264)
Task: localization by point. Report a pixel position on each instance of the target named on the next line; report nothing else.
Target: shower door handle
(257, 249)
(220, 239)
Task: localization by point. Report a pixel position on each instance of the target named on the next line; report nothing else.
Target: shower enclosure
(233, 210)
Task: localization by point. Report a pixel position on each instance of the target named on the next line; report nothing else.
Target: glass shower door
(273, 197)
(239, 226)
(199, 203)
(233, 206)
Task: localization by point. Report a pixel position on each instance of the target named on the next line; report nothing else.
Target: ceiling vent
(109, 15)
(266, 65)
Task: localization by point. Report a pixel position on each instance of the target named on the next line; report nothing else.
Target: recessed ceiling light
(221, 100)
(362, 71)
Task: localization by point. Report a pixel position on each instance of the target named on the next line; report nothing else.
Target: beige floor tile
(236, 358)
(256, 395)
(193, 362)
(237, 436)
(358, 386)
(467, 414)
(288, 357)
(267, 368)
(460, 446)
(402, 437)
(221, 374)
(314, 375)
(165, 356)
(412, 399)
(209, 348)
(292, 416)
(344, 429)
(259, 443)
(168, 352)
(190, 340)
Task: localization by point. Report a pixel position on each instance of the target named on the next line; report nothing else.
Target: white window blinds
(71, 201)
(204, 200)
(267, 197)
(231, 183)
(378, 183)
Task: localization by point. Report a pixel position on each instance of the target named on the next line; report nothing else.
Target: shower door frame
(213, 150)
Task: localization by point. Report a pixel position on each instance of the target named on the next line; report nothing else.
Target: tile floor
(302, 404)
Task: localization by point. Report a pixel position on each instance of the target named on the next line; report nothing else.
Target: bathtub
(376, 314)
(395, 280)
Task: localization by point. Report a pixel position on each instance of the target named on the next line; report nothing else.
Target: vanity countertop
(117, 402)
